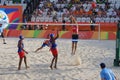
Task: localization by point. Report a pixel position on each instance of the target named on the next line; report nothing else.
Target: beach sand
(84, 66)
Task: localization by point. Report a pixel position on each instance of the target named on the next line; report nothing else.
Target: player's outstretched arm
(57, 34)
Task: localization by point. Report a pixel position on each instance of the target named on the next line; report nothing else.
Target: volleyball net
(39, 30)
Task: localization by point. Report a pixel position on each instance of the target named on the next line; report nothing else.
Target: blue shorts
(74, 37)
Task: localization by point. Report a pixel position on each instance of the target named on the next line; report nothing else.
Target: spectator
(63, 21)
(116, 19)
(54, 13)
(2, 33)
(97, 19)
(4, 3)
(67, 7)
(87, 18)
(92, 21)
(83, 19)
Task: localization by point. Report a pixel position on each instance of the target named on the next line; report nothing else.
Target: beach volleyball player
(3, 20)
(21, 52)
(53, 48)
(74, 34)
(2, 34)
(45, 43)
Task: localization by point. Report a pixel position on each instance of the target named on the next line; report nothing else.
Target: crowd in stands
(59, 10)
(5, 2)
(54, 10)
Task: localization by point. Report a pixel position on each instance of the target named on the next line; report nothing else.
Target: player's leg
(20, 62)
(2, 35)
(75, 47)
(52, 62)
(25, 61)
(56, 57)
(75, 43)
(72, 47)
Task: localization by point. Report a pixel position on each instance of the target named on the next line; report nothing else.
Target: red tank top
(74, 29)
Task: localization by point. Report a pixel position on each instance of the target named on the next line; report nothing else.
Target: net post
(99, 32)
(117, 56)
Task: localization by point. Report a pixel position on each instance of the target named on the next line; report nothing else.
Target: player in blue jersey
(53, 49)
(52, 44)
(21, 53)
(45, 43)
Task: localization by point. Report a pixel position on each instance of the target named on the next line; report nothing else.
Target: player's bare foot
(72, 54)
(51, 67)
(55, 67)
(19, 68)
(27, 67)
(4, 43)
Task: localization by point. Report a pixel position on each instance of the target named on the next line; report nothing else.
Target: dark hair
(51, 35)
(21, 37)
(102, 65)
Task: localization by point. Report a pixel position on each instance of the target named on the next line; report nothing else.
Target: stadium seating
(84, 9)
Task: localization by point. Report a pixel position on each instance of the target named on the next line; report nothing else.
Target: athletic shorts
(21, 54)
(74, 37)
(1, 35)
(54, 52)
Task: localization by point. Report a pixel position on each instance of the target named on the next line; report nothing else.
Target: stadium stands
(37, 10)
(103, 12)
(14, 3)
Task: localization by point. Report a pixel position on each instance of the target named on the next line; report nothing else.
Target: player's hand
(26, 52)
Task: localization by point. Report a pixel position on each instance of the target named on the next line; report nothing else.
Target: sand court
(83, 66)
